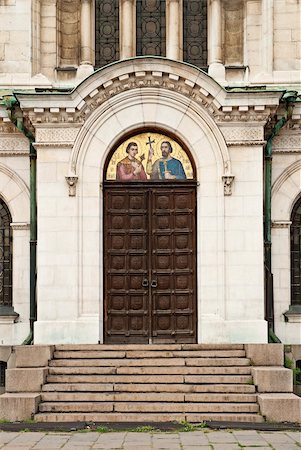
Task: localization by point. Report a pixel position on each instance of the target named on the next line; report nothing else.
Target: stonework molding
(245, 143)
(16, 178)
(20, 226)
(228, 181)
(294, 167)
(142, 73)
(13, 145)
(281, 224)
(235, 134)
(72, 181)
(287, 143)
(56, 134)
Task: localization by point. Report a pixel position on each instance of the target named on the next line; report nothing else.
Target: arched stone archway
(285, 193)
(76, 131)
(15, 193)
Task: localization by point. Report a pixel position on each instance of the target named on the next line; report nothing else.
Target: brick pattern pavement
(203, 440)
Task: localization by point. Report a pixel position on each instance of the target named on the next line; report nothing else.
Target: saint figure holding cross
(165, 168)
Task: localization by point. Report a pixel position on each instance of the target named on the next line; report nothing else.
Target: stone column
(174, 47)
(86, 67)
(215, 56)
(127, 29)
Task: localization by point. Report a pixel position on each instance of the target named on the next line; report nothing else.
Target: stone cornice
(196, 86)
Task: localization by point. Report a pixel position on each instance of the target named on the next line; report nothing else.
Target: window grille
(106, 32)
(151, 27)
(195, 32)
(5, 256)
(296, 254)
(3, 366)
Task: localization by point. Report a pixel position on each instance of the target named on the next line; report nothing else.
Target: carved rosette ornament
(228, 181)
(72, 180)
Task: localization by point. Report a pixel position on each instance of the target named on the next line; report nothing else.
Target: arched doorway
(149, 242)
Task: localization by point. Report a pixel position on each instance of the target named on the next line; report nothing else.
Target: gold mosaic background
(141, 140)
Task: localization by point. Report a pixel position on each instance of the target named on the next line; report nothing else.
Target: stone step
(150, 370)
(136, 354)
(201, 362)
(178, 388)
(147, 397)
(147, 347)
(196, 379)
(148, 407)
(147, 418)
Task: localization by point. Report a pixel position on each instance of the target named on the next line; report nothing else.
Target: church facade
(150, 161)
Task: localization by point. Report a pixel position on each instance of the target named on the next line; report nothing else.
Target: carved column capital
(72, 180)
(228, 181)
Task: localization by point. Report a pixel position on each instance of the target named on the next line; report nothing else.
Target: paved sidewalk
(192, 440)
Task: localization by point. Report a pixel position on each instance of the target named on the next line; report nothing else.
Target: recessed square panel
(118, 262)
(137, 262)
(118, 282)
(118, 302)
(118, 222)
(117, 242)
(137, 222)
(137, 242)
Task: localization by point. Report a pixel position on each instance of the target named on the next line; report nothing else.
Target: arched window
(5, 256)
(151, 27)
(195, 32)
(296, 255)
(106, 32)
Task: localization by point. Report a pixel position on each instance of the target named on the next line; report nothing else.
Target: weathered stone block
(33, 356)
(273, 379)
(280, 407)
(265, 354)
(18, 406)
(25, 380)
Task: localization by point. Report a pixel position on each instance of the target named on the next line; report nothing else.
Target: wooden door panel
(173, 265)
(126, 266)
(150, 284)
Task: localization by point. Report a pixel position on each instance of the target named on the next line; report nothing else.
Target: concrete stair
(149, 383)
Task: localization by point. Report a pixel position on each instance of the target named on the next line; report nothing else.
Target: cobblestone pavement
(192, 440)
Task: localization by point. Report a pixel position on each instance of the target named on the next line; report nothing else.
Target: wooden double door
(149, 263)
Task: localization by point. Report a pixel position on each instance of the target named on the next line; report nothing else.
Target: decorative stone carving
(287, 144)
(13, 145)
(72, 180)
(240, 134)
(228, 181)
(56, 134)
(78, 113)
(20, 225)
(281, 224)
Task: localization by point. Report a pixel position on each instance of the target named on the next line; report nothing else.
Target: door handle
(145, 282)
(154, 284)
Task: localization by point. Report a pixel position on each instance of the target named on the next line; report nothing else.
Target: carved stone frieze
(241, 134)
(56, 134)
(14, 144)
(78, 113)
(287, 143)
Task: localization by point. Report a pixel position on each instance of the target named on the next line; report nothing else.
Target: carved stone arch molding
(168, 111)
(285, 191)
(15, 193)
